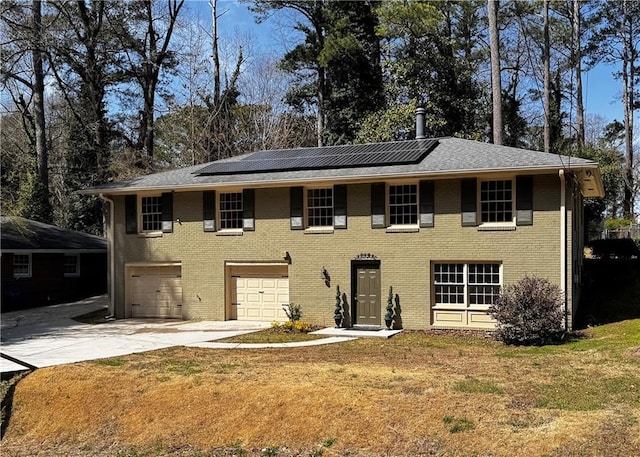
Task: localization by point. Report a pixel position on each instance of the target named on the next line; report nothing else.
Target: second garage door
(261, 298)
(155, 291)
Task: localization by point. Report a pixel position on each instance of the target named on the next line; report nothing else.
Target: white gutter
(110, 253)
(563, 244)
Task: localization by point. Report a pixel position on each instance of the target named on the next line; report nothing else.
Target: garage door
(155, 291)
(260, 298)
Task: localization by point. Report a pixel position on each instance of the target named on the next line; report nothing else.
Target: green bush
(293, 312)
(529, 312)
(614, 224)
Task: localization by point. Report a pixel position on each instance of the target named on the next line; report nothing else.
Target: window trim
(503, 225)
(305, 208)
(141, 231)
(396, 228)
(219, 212)
(77, 272)
(466, 305)
(29, 273)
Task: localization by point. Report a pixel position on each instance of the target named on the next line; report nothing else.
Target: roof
(446, 157)
(18, 234)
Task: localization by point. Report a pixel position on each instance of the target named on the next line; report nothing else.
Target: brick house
(444, 221)
(44, 265)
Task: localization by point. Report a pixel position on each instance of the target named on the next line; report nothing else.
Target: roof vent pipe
(420, 123)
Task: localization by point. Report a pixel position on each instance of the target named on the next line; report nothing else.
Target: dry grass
(416, 394)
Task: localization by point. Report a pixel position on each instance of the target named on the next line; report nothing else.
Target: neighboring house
(445, 221)
(43, 264)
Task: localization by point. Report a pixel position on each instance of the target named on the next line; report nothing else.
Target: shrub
(529, 312)
(293, 312)
(389, 314)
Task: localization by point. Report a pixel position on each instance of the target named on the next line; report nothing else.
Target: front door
(368, 305)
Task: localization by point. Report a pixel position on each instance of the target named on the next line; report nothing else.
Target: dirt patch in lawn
(415, 394)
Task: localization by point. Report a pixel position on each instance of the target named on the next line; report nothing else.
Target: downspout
(563, 245)
(110, 254)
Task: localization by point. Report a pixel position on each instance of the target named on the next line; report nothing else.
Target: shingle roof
(451, 156)
(23, 234)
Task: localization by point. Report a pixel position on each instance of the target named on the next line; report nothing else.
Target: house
(444, 221)
(43, 264)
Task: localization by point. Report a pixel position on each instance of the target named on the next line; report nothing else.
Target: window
(449, 283)
(151, 213)
(466, 284)
(230, 204)
(320, 207)
(22, 265)
(403, 204)
(484, 283)
(496, 201)
(71, 265)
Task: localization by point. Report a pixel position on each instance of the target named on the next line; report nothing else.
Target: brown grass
(416, 394)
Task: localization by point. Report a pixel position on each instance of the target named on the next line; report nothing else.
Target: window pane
(403, 204)
(320, 207)
(151, 209)
(21, 265)
(496, 201)
(71, 265)
(231, 210)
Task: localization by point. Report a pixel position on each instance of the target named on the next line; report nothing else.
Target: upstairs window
(151, 213)
(496, 201)
(71, 265)
(403, 204)
(230, 207)
(22, 265)
(320, 207)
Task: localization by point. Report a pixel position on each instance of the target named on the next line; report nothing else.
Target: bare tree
(25, 36)
(496, 82)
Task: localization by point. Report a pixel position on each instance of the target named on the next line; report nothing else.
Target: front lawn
(419, 393)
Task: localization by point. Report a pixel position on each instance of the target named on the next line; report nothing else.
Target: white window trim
(30, 265)
(228, 231)
(318, 229)
(497, 226)
(77, 272)
(148, 233)
(466, 306)
(402, 228)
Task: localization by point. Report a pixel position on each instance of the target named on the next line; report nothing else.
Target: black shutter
(296, 196)
(131, 213)
(468, 191)
(167, 212)
(426, 203)
(378, 205)
(340, 207)
(209, 211)
(524, 200)
(248, 205)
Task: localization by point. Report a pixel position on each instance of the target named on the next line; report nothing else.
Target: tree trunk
(578, 70)
(496, 82)
(42, 155)
(215, 54)
(546, 57)
(628, 81)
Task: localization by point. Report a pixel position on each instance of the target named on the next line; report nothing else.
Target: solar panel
(350, 156)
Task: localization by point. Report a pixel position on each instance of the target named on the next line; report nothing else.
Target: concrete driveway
(48, 336)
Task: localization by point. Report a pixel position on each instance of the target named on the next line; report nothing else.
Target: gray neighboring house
(43, 264)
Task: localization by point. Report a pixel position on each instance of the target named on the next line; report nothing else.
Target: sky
(601, 91)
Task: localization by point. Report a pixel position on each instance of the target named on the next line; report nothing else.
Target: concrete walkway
(47, 336)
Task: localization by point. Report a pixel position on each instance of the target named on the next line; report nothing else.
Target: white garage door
(155, 291)
(261, 299)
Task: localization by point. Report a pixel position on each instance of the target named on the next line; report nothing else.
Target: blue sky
(601, 90)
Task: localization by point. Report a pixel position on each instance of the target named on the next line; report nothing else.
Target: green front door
(368, 294)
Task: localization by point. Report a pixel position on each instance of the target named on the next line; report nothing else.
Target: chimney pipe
(420, 123)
